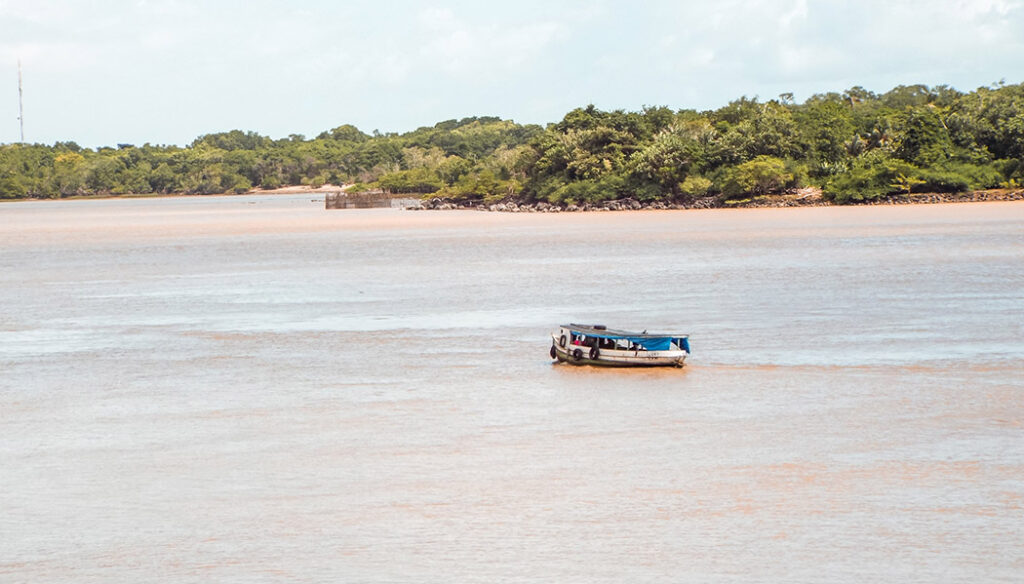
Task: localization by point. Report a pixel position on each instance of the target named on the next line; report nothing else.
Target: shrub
(483, 185)
(872, 175)
(241, 185)
(11, 188)
(940, 180)
(760, 176)
(416, 180)
(360, 187)
(642, 191)
(606, 188)
(978, 176)
(695, 186)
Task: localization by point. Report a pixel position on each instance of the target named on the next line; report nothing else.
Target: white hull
(580, 355)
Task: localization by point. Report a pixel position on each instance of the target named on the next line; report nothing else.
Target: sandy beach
(273, 212)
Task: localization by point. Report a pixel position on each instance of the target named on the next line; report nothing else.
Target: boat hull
(613, 358)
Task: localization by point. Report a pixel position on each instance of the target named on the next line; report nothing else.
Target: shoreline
(292, 190)
(106, 222)
(808, 197)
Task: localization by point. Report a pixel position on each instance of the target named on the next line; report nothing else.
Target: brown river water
(254, 389)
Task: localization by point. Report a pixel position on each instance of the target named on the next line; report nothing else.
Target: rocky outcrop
(969, 197)
(803, 198)
(439, 204)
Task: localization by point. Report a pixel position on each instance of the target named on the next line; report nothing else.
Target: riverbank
(809, 197)
(289, 190)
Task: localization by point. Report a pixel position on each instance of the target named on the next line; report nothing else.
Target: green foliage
(233, 140)
(940, 180)
(240, 184)
(608, 188)
(361, 188)
(695, 186)
(906, 184)
(760, 176)
(667, 159)
(416, 180)
(1012, 168)
(923, 139)
(871, 175)
(878, 174)
(991, 119)
(482, 186)
(954, 177)
(345, 133)
(855, 144)
(827, 129)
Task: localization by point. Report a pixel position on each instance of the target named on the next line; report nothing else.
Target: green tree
(922, 137)
(762, 175)
(695, 186)
(667, 159)
(827, 128)
(69, 172)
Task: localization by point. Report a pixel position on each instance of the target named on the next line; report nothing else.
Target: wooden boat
(584, 344)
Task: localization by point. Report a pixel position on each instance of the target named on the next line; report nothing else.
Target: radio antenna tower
(21, 107)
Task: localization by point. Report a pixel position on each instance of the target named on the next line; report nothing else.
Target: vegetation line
(855, 146)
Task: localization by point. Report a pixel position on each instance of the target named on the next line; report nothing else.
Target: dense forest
(855, 145)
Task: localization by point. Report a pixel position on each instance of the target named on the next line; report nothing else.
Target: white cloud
(53, 56)
(973, 9)
(390, 65)
(34, 12)
(525, 44)
(796, 13)
(465, 49)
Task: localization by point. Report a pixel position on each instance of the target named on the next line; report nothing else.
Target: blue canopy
(647, 342)
(650, 342)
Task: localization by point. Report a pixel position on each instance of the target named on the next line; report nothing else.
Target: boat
(596, 344)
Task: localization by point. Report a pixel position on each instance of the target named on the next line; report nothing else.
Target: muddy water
(246, 389)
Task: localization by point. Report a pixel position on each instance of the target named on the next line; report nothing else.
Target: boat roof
(597, 330)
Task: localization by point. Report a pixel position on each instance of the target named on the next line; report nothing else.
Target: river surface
(254, 389)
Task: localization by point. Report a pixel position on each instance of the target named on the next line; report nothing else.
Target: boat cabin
(599, 345)
(603, 338)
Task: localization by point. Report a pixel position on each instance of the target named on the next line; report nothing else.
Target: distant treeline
(855, 145)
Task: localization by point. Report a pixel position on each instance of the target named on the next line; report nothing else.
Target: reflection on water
(240, 388)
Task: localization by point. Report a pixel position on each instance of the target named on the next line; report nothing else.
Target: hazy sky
(103, 72)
